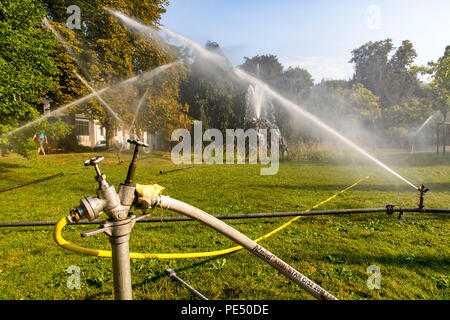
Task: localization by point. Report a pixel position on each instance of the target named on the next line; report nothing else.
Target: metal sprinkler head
(132, 167)
(422, 189)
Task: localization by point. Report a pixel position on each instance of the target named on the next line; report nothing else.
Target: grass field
(333, 251)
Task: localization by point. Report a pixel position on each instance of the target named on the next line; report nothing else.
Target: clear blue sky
(317, 35)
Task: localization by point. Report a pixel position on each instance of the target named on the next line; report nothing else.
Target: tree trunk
(444, 134)
(110, 137)
(438, 127)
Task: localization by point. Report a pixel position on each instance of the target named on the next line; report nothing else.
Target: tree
(107, 51)
(441, 83)
(212, 95)
(363, 105)
(265, 67)
(28, 69)
(371, 64)
(402, 81)
(393, 80)
(164, 111)
(296, 83)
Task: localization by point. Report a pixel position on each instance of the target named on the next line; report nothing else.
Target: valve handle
(93, 161)
(137, 143)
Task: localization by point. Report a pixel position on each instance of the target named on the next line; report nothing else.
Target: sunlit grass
(334, 251)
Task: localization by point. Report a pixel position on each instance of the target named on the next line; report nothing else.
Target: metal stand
(119, 237)
(118, 227)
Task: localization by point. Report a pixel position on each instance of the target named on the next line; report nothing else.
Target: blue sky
(317, 35)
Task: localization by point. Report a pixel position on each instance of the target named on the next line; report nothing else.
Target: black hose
(238, 216)
(173, 170)
(39, 180)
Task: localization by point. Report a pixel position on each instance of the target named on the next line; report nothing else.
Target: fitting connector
(90, 208)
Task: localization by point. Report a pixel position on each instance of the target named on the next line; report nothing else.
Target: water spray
(221, 62)
(141, 102)
(99, 98)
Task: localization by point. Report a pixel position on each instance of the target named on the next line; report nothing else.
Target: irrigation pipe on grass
(168, 203)
(173, 170)
(236, 216)
(40, 180)
(192, 212)
(174, 276)
(61, 174)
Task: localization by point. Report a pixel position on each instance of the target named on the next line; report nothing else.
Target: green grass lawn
(333, 251)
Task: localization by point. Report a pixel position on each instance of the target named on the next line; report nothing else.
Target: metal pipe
(218, 225)
(61, 174)
(174, 276)
(173, 170)
(121, 267)
(235, 216)
(132, 167)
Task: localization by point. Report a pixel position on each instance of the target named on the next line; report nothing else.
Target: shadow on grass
(410, 262)
(6, 165)
(162, 273)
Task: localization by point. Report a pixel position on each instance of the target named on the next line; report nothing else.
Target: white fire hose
(168, 203)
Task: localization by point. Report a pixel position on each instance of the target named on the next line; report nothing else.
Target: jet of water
(103, 102)
(437, 113)
(144, 96)
(141, 102)
(297, 109)
(66, 46)
(219, 60)
(152, 32)
(145, 76)
(255, 99)
(56, 112)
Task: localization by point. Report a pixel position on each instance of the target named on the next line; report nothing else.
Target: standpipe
(118, 227)
(120, 223)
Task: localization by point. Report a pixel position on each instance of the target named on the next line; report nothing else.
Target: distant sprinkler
(422, 189)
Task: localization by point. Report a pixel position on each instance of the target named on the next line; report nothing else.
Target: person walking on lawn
(41, 139)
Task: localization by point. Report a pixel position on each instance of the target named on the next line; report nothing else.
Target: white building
(90, 132)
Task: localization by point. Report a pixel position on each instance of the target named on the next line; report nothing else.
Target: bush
(23, 143)
(28, 149)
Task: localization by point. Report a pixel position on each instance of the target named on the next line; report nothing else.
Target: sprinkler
(118, 227)
(422, 189)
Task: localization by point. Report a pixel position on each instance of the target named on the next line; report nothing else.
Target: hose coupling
(389, 209)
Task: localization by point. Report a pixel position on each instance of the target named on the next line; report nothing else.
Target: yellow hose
(133, 255)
